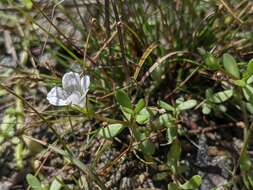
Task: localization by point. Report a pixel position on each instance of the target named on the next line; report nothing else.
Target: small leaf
(171, 134)
(33, 182)
(126, 110)
(165, 120)
(246, 181)
(139, 106)
(250, 67)
(146, 146)
(245, 163)
(230, 65)
(222, 96)
(173, 186)
(166, 106)
(211, 62)
(55, 185)
(240, 83)
(250, 177)
(143, 117)
(27, 3)
(173, 156)
(193, 183)
(249, 107)
(248, 93)
(201, 51)
(111, 131)
(187, 105)
(250, 79)
(206, 109)
(123, 99)
(160, 176)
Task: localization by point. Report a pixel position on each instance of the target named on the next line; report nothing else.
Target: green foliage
(173, 156)
(211, 62)
(34, 183)
(55, 185)
(189, 104)
(193, 183)
(231, 66)
(125, 103)
(155, 68)
(221, 97)
(111, 130)
(27, 3)
(146, 146)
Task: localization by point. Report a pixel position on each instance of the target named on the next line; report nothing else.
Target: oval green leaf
(139, 106)
(55, 185)
(230, 65)
(123, 99)
(250, 67)
(222, 96)
(193, 183)
(111, 131)
(171, 134)
(33, 182)
(166, 106)
(143, 117)
(189, 104)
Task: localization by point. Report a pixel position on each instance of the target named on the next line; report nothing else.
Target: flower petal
(85, 83)
(57, 96)
(71, 82)
(75, 99)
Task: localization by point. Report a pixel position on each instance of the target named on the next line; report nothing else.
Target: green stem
(20, 125)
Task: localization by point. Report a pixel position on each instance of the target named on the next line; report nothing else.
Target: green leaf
(143, 117)
(222, 96)
(193, 183)
(165, 120)
(127, 110)
(160, 176)
(173, 156)
(246, 181)
(245, 163)
(250, 177)
(248, 93)
(250, 79)
(173, 186)
(206, 109)
(139, 106)
(123, 99)
(166, 106)
(240, 83)
(171, 134)
(55, 185)
(146, 146)
(27, 3)
(249, 107)
(111, 131)
(211, 62)
(201, 51)
(250, 67)
(230, 65)
(33, 182)
(189, 104)
(125, 103)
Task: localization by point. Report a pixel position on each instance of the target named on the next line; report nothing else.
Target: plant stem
(121, 38)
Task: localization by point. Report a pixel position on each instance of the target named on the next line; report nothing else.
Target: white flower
(73, 92)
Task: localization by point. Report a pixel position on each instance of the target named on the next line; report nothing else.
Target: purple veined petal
(75, 99)
(71, 82)
(85, 83)
(57, 96)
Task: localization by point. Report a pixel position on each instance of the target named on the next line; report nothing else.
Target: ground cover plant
(106, 94)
